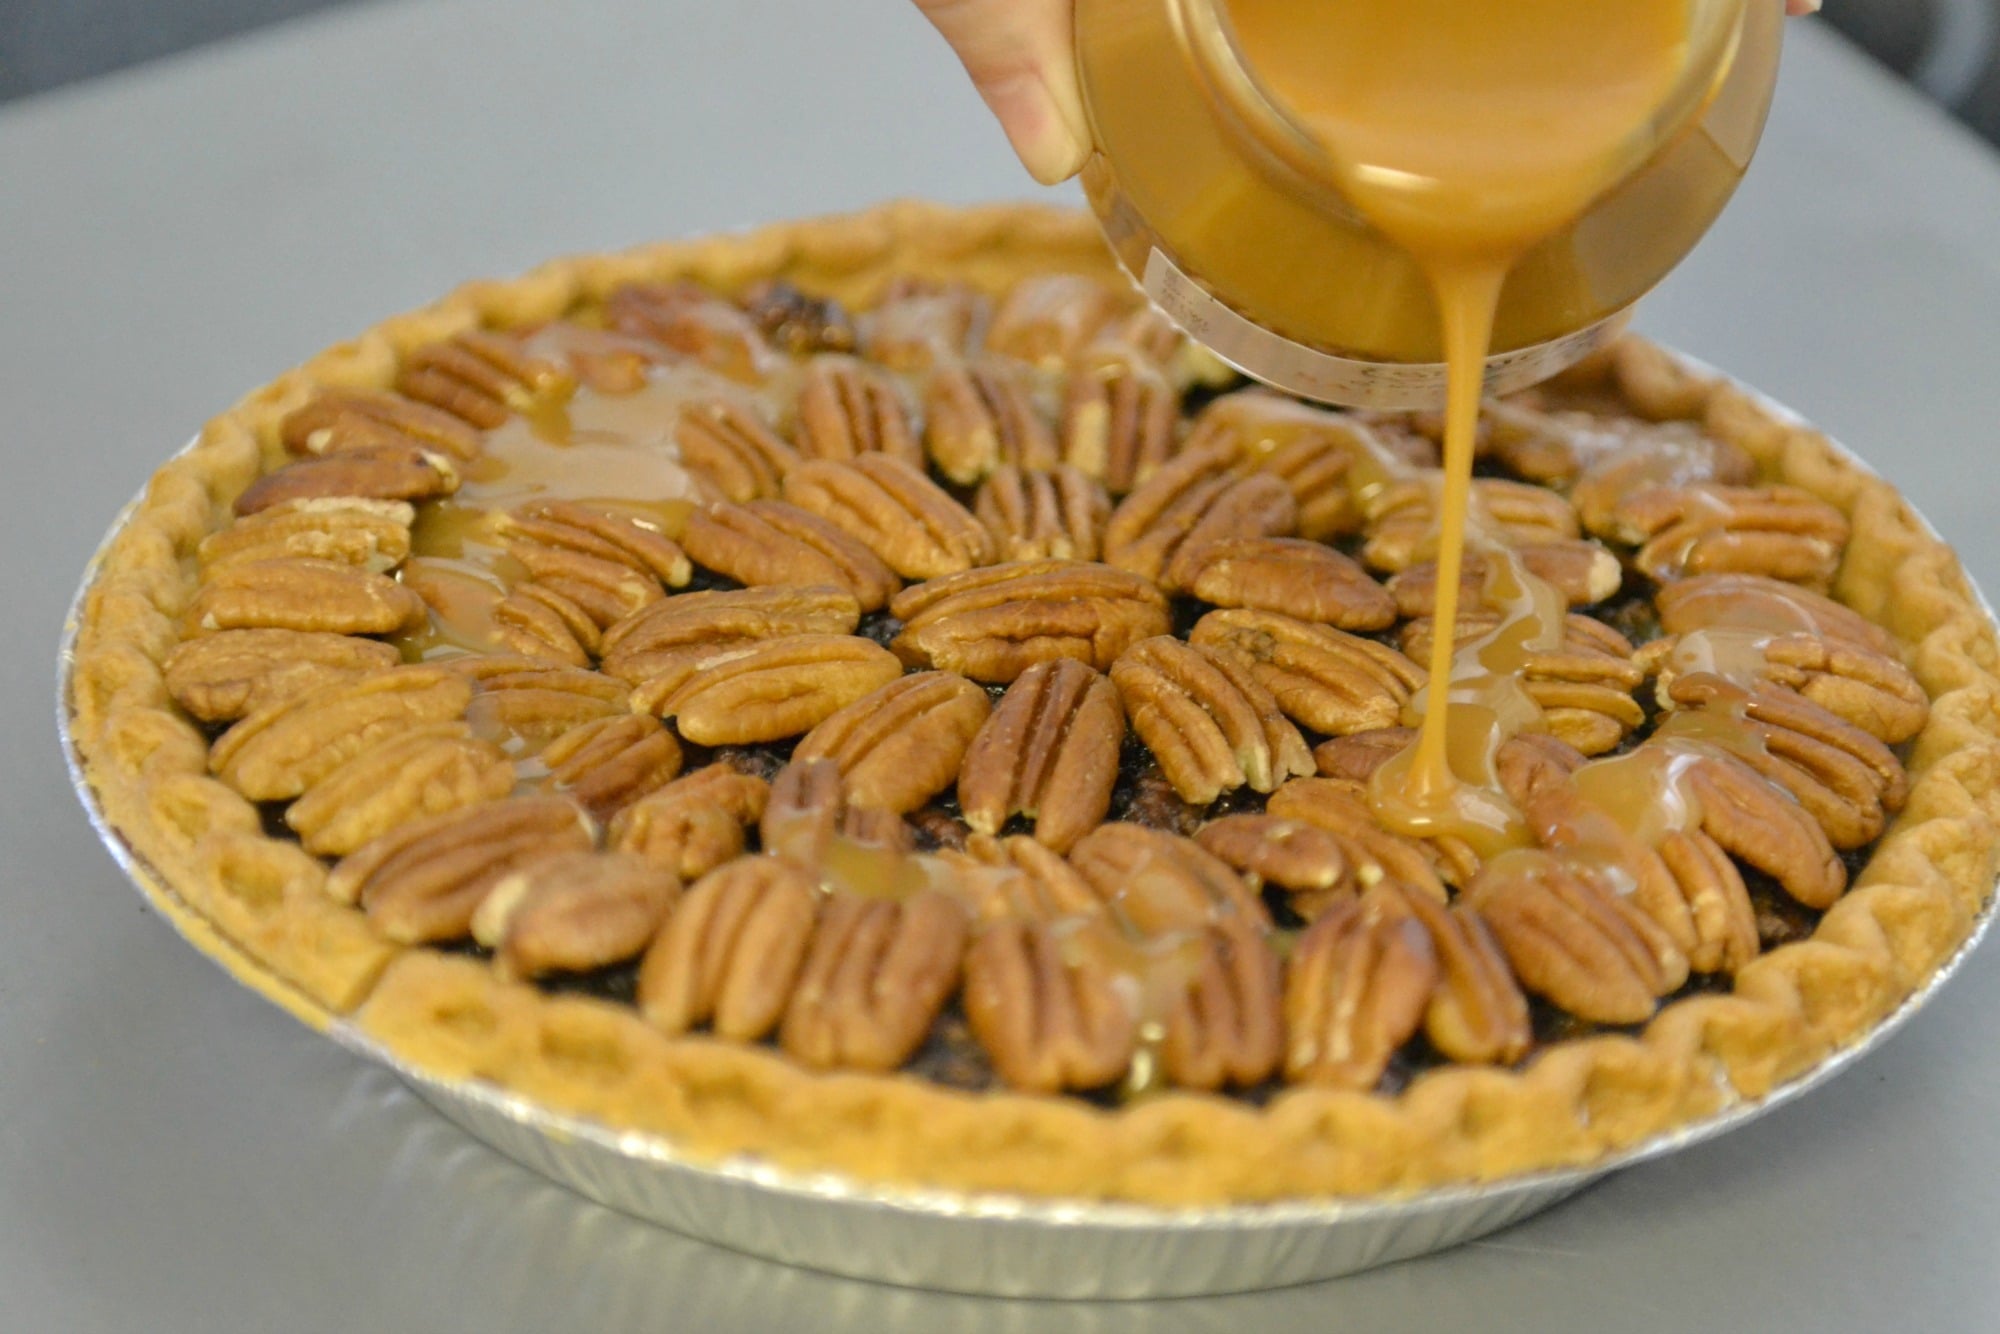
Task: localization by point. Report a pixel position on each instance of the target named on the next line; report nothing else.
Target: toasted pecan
(994, 623)
(901, 743)
(1049, 751)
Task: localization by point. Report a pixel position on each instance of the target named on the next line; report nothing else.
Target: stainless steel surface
(177, 1156)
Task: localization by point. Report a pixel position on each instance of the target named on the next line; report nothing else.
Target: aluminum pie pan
(975, 1243)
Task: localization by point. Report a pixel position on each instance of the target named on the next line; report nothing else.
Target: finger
(1022, 60)
(1802, 6)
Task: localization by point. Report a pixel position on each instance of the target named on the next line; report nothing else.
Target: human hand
(1021, 57)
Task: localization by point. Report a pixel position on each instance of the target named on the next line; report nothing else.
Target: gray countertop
(176, 1155)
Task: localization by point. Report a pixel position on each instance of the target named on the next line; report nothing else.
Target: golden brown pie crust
(256, 904)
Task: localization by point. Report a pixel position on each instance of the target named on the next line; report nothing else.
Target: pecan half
(731, 952)
(1584, 688)
(221, 677)
(657, 637)
(729, 446)
(874, 980)
(1847, 780)
(427, 770)
(1581, 570)
(847, 408)
(1754, 601)
(1001, 878)
(1670, 457)
(1323, 678)
(460, 600)
(1156, 883)
(609, 763)
(1144, 331)
(902, 743)
(278, 752)
(1656, 382)
(1403, 519)
(806, 811)
(1206, 719)
(373, 472)
(1570, 938)
(994, 623)
(693, 824)
(347, 530)
(771, 689)
(572, 912)
(1547, 448)
(1160, 531)
(606, 591)
(1374, 853)
(1780, 531)
(849, 849)
(1308, 862)
(336, 420)
(423, 882)
(1744, 626)
(602, 532)
(1301, 579)
(539, 622)
(1326, 458)
(1717, 902)
(1872, 691)
(797, 321)
(1049, 751)
(895, 511)
(1118, 418)
(769, 542)
(1226, 1028)
(1049, 1019)
(1360, 981)
(1695, 895)
(686, 318)
(527, 705)
(1477, 1013)
(308, 595)
(981, 417)
(1040, 514)
(1525, 765)
(1758, 823)
(917, 325)
(481, 376)
(609, 363)
(1046, 319)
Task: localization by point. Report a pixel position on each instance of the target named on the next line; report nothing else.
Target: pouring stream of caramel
(1467, 131)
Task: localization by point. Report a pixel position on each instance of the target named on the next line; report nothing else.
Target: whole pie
(869, 694)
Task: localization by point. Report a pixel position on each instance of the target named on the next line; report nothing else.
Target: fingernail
(1044, 138)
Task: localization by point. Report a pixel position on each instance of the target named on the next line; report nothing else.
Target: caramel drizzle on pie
(1132, 914)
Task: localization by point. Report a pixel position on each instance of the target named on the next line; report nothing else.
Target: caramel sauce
(872, 871)
(1645, 792)
(1150, 974)
(461, 595)
(1467, 134)
(1733, 652)
(603, 435)
(591, 445)
(1732, 644)
(1726, 729)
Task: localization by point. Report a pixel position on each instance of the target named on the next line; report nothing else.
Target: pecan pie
(868, 694)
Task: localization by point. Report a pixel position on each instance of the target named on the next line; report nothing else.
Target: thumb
(1022, 59)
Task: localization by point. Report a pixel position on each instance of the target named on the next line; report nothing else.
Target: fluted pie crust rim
(255, 904)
